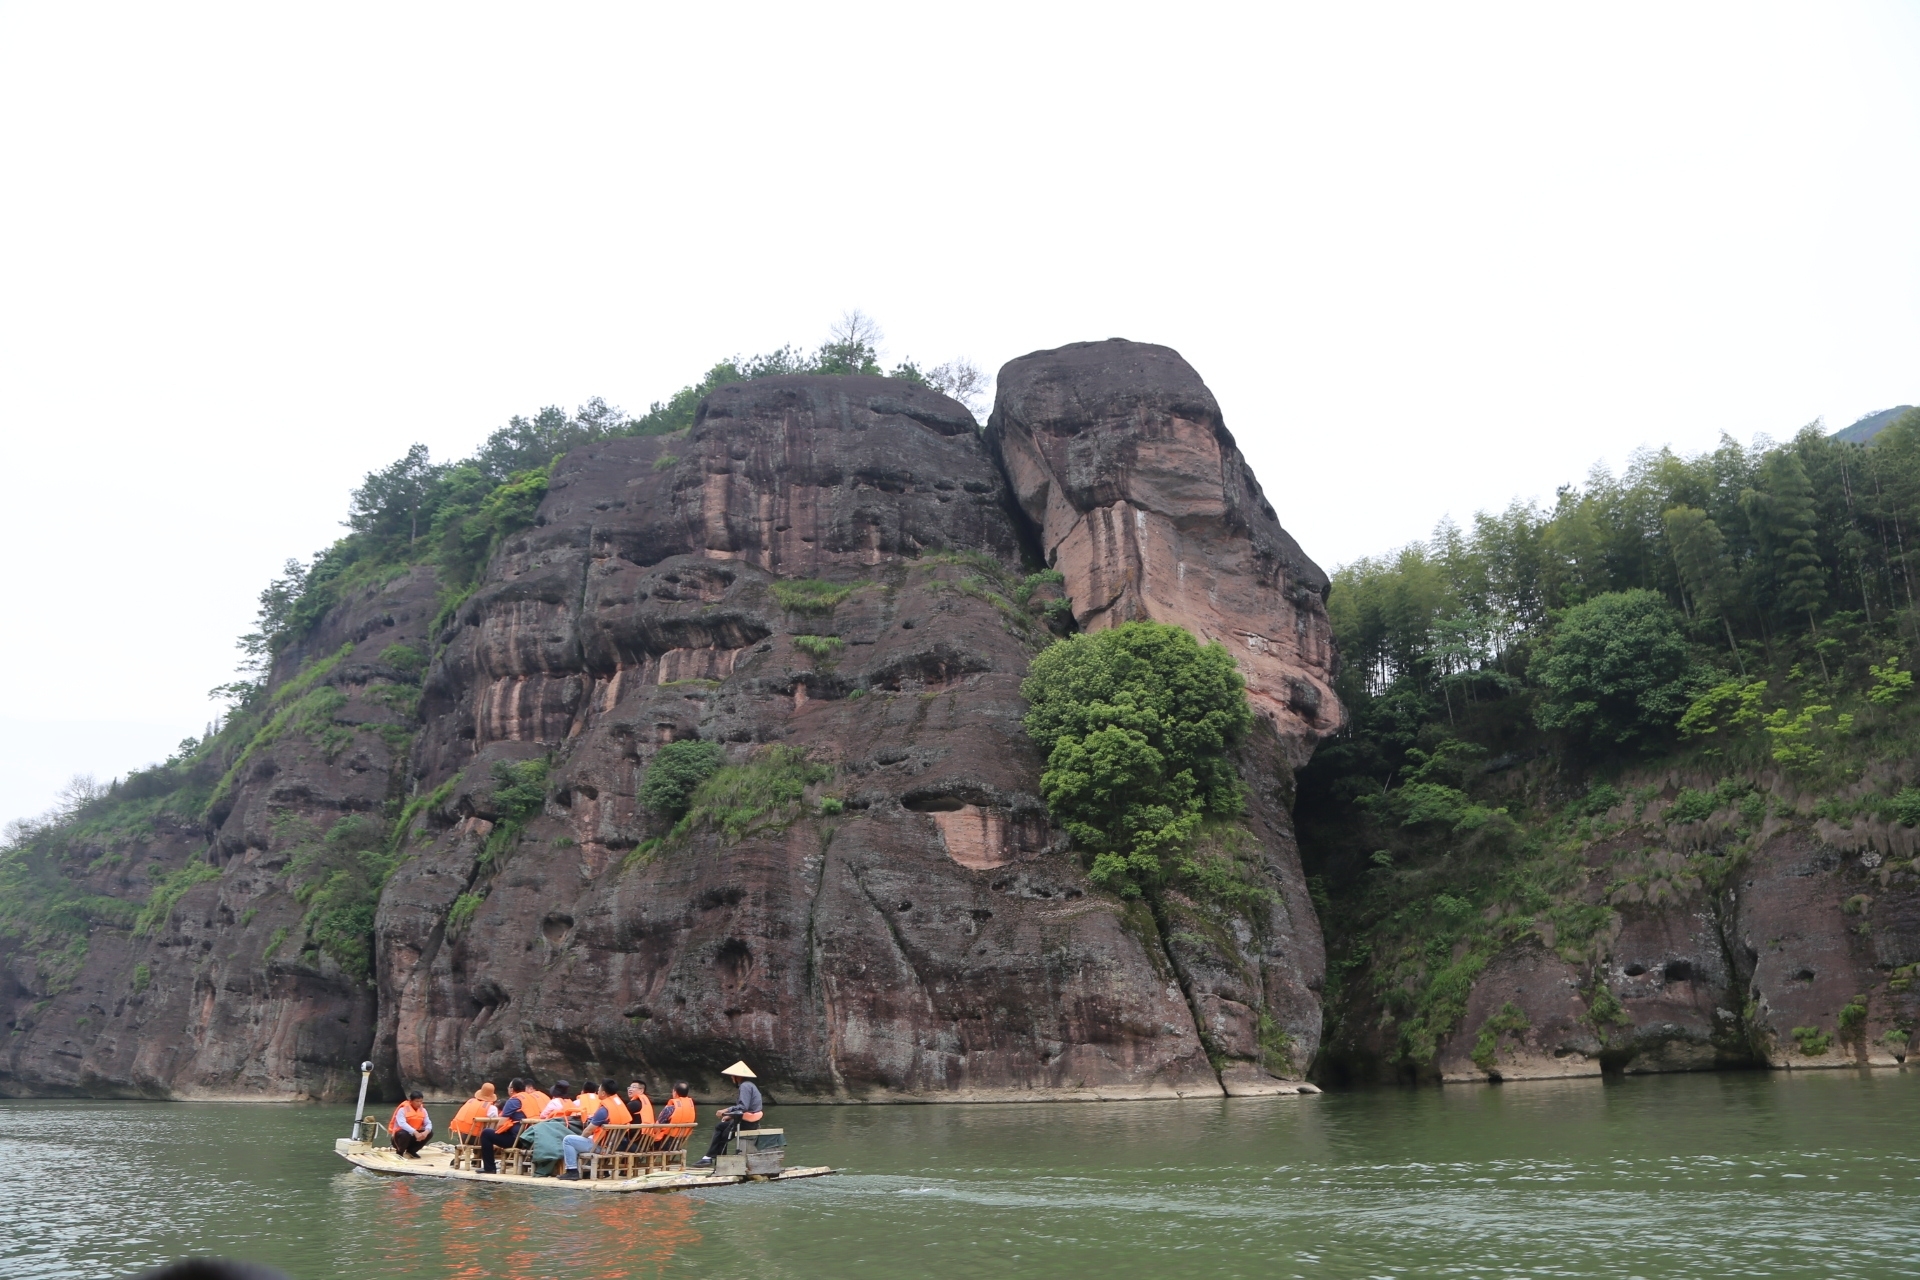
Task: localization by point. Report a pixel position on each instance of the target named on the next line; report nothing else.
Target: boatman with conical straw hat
(744, 1114)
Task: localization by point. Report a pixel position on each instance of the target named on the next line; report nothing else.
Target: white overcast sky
(1429, 257)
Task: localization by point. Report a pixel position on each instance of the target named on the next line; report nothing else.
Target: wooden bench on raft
(631, 1150)
(466, 1155)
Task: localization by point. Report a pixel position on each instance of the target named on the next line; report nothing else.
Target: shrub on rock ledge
(1137, 723)
(676, 770)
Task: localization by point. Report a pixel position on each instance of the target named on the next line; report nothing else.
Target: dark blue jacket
(512, 1110)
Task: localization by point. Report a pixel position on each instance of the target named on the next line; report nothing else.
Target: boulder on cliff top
(1118, 454)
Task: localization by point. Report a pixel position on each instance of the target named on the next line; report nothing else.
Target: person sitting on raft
(616, 1110)
(410, 1127)
(533, 1102)
(744, 1114)
(560, 1106)
(513, 1120)
(679, 1108)
(606, 1110)
(639, 1105)
(475, 1112)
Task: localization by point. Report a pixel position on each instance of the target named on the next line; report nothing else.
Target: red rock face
(928, 935)
(934, 938)
(1119, 456)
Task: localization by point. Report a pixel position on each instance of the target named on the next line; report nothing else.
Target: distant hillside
(1871, 425)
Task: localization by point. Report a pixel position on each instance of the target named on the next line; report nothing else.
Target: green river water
(1810, 1174)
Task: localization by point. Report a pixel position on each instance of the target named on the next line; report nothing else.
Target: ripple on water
(1701, 1176)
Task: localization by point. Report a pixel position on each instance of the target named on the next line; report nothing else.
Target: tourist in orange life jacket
(534, 1102)
(679, 1108)
(639, 1104)
(574, 1145)
(560, 1106)
(475, 1113)
(410, 1127)
(617, 1112)
(513, 1120)
(744, 1114)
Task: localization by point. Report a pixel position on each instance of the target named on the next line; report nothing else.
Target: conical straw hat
(740, 1069)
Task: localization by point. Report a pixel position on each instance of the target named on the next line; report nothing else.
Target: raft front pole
(360, 1107)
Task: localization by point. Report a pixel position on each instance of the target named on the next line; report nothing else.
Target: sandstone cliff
(823, 569)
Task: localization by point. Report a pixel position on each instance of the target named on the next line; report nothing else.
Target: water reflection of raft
(439, 1160)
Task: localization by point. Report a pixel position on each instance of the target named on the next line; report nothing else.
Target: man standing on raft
(744, 1114)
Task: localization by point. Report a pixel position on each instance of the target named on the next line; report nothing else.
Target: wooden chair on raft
(466, 1155)
(466, 1150)
(633, 1150)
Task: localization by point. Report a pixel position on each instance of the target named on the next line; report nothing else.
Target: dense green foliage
(1137, 722)
(820, 648)
(519, 793)
(338, 877)
(1520, 690)
(1757, 547)
(675, 772)
(1615, 670)
(756, 797)
(811, 595)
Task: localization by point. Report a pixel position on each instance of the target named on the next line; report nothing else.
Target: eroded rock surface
(1120, 458)
(924, 933)
(209, 999)
(1793, 947)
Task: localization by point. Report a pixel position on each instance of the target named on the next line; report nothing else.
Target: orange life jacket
(678, 1111)
(645, 1114)
(535, 1102)
(416, 1117)
(471, 1118)
(617, 1112)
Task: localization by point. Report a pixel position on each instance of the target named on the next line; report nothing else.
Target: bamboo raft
(442, 1161)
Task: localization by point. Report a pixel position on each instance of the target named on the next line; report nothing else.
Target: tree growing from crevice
(675, 772)
(1137, 723)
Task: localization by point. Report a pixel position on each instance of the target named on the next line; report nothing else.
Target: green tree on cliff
(1137, 722)
(1616, 671)
(1785, 518)
(1700, 552)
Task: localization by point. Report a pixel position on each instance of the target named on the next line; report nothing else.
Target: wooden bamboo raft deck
(437, 1162)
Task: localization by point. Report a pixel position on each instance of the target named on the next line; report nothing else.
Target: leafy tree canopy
(1137, 722)
(1617, 671)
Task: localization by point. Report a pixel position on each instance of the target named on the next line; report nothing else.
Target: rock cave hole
(1679, 971)
(735, 959)
(934, 804)
(1634, 970)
